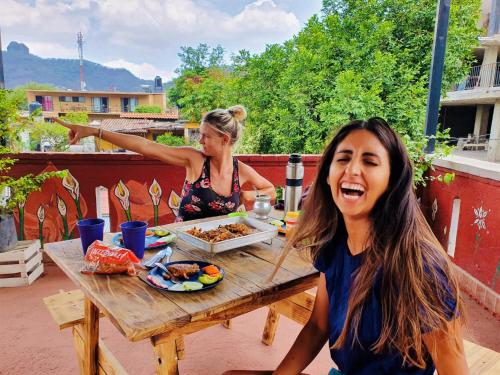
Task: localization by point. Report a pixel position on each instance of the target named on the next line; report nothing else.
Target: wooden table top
(140, 311)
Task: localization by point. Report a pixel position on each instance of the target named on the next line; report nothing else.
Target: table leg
(166, 355)
(90, 338)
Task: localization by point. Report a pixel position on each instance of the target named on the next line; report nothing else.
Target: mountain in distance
(21, 67)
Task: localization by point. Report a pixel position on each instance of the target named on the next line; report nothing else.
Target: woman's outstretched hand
(76, 132)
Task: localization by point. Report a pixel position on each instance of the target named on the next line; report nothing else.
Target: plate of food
(155, 239)
(185, 276)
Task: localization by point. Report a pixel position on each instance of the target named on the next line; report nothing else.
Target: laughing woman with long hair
(387, 299)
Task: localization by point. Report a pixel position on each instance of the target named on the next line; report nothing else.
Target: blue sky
(145, 36)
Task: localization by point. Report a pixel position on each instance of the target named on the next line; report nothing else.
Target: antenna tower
(79, 41)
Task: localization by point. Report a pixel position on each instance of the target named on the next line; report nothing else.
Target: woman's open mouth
(351, 191)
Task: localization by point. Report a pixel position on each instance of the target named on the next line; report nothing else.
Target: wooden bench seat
(481, 360)
(67, 310)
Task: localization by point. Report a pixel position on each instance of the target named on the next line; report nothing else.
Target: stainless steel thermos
(294, 178)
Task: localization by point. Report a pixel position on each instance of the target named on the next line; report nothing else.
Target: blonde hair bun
(238, 112)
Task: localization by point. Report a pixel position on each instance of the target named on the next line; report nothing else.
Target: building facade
(471, 109)
(98, 104)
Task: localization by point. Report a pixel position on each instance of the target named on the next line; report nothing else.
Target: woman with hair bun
(214, 176)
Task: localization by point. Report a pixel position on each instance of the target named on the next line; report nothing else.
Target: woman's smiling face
(359, 174)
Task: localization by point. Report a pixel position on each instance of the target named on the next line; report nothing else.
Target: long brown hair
(401, 246)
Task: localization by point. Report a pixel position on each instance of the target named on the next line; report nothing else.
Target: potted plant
(13, 191)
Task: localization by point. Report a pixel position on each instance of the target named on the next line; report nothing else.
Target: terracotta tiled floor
(30, 342)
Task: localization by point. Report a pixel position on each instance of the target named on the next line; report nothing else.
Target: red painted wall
(136, 171)
(477, 248)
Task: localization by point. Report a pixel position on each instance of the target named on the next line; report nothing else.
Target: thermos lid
(295, 158)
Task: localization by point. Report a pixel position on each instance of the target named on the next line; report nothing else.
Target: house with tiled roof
(147, 128)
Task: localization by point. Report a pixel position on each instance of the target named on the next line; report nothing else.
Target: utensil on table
(167, 252)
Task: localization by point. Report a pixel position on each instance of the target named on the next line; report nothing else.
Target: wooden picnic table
(141, 312)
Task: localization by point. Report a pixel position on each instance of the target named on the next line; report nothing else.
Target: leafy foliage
(198, 59)
(357, 60)
(80, 118)
(18, 189)
(50, 132)
(148, 109)
(170, 140)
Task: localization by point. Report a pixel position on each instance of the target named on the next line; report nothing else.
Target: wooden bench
(67, 310)
(481, 360)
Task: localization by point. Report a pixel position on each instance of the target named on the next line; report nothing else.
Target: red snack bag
(104, 259)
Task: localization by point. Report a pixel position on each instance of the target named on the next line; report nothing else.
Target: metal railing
(93, 108)
(481, 76)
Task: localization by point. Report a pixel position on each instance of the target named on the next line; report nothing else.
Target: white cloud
(43, 17)
(180, 21)
(144, 70)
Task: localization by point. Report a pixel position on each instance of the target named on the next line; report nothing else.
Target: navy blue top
(339, 267)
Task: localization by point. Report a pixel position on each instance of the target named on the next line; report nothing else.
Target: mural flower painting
(123, 195)
(155, 192)
(174, 202)
(434, 209)
(41, 217)
(72, 185)
(20, 208)
(61, 207)
(480, 215)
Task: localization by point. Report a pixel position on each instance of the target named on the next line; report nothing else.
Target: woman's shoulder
(331, 250)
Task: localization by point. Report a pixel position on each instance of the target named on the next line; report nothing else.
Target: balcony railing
(480, 77)
(90, 108)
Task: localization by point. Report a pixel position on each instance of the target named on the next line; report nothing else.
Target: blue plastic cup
(90, 230)
(134, 236)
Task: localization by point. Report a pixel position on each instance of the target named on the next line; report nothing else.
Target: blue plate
(149, 240)
(158, 273)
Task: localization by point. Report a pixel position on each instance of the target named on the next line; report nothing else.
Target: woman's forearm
(305, 348)
(127, 141)
(248, 196)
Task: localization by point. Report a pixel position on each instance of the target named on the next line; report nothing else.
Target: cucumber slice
(192, 285)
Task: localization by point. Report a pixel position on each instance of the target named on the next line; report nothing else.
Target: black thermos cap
(295, 158)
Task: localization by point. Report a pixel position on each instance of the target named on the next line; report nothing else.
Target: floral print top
(199, 200)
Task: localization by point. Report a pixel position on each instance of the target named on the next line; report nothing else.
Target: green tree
(81, 118)
(50, 132)
(170, 140)
(198, 59)
(359, 58)
(18, 188)
(148, 109)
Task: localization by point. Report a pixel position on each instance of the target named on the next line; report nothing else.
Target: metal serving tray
(264, 232)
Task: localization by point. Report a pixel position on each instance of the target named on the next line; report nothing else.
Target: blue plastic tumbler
(90, 230)
(134, 236)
